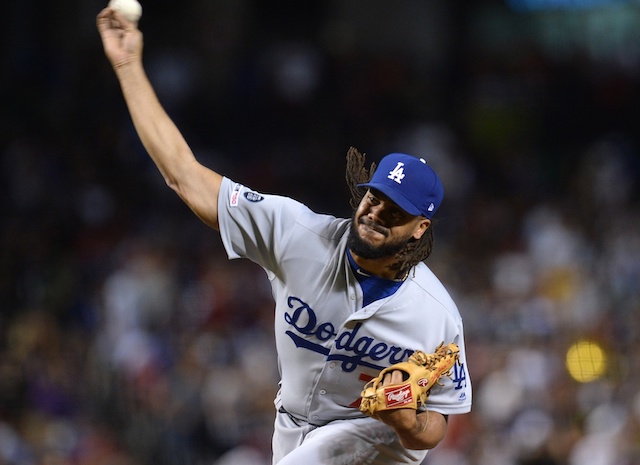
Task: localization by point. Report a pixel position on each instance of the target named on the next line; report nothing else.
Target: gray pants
(341, 442)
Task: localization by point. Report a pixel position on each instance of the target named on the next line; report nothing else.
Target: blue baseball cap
(409, 182)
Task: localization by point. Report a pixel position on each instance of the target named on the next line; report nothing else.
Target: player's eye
(398, 215)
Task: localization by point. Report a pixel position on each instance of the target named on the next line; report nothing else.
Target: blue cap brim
(394, 195)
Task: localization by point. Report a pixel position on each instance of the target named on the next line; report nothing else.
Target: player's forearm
(159, 135)
(425, 432)
(196, 185)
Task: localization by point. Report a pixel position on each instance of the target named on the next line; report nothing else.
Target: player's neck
(381, 267)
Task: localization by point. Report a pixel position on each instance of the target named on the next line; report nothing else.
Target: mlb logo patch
(398, 396)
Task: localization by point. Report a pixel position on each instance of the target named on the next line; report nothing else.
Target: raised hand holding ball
(130, 9)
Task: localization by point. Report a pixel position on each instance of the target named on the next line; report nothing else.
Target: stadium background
(125, 335)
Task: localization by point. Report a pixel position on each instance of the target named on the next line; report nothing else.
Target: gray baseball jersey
(328, 344)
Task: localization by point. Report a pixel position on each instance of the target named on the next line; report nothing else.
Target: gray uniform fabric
(328, 345)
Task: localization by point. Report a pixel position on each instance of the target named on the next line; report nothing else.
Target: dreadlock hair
(416, 251)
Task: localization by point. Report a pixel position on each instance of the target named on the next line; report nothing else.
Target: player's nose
(376, 214)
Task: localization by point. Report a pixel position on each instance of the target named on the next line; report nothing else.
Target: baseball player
(352, 296)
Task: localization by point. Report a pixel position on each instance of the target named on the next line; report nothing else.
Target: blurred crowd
(128, 338)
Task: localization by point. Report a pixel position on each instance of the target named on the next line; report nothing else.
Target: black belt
(296, 420)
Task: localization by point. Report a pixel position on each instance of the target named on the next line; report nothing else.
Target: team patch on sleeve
(235, 195)
(253, 196)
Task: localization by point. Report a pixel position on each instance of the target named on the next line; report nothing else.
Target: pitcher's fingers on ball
(130, 9)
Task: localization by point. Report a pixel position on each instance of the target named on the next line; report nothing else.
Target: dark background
(125, 334)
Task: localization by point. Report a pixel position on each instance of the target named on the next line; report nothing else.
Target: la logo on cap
(397, 174)
(409, 182)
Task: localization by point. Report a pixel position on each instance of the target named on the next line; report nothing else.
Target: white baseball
(130, 9)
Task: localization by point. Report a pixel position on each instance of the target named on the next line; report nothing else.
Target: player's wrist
(413, 437)
(127, 62)
(129, 71)
(408, 423)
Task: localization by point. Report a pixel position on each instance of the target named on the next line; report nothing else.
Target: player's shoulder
(235, 194)
(324, 225)
(429, 287)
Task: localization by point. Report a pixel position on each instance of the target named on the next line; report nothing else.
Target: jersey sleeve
(254, 225)
(453, 394)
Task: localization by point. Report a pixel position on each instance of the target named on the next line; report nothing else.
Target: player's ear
(421, 227)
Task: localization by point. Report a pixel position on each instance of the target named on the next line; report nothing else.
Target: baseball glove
(420, 373)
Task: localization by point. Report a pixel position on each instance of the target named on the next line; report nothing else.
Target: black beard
(365, 250)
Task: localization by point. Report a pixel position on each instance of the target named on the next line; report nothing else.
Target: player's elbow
(199, 190)
(172, 184)
(178, 188)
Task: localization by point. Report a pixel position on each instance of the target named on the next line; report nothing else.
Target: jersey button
(332, 365)
(323, 392)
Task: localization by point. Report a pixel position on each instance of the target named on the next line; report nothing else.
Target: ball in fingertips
(130, 9)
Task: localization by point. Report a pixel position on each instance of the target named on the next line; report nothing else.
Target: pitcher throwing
(353, 296)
